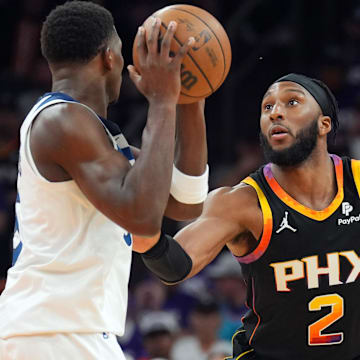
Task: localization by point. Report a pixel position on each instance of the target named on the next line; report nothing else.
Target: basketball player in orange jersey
(81, 194)
(294, 227)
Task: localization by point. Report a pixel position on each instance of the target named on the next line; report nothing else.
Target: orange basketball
(207, 63)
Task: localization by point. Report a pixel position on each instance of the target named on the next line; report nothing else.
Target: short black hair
(76, 32)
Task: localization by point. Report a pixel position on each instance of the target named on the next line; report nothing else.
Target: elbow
(146, 229)
(142, 218)
(149, 229)
(147, 225)
(144, 225)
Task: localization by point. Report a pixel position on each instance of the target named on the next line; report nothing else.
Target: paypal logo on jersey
(347, 208)
(128, 239)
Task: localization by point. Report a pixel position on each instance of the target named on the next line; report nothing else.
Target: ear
(108, 58)
(324, 125)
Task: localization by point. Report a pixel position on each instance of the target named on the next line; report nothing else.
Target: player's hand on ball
(158, 76)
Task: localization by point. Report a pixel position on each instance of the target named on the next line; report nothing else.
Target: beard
(305, 142)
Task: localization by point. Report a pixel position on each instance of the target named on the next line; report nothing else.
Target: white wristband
(189, 189)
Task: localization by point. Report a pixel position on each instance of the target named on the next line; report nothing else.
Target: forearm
(174, 260)
(168, 260)
(190, 159)
(191, 146)
(148, 181)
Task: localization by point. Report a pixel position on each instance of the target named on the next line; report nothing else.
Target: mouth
(278, 132)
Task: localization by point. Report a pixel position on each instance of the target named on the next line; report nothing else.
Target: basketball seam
(193, 60)
(222, 50)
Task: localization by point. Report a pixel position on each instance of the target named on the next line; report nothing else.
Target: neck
(80, 83)
(312, 183)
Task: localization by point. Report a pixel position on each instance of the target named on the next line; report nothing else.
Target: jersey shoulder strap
(264, 240)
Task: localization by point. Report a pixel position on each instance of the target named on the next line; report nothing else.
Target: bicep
(94, 164)
(75, 140)
(100, 177)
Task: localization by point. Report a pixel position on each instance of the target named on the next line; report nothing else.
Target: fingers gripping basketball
(207, 63)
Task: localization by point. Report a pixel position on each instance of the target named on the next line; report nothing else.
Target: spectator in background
(158, 330)
(205, 323)
(219, 352)
(151, 296)
(230, 291)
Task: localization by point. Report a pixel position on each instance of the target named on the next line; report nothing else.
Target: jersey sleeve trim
(268, 225)
(355, 167)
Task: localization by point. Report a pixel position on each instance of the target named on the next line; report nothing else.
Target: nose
(276, 113)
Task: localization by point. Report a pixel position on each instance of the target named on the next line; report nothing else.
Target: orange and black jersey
(303, 277)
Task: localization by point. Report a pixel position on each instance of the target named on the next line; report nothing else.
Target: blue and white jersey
(71, 263)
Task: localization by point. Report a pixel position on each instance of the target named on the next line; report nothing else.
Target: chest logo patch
(285, 224)
(346, 208)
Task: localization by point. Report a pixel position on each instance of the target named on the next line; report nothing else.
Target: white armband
(189, 189)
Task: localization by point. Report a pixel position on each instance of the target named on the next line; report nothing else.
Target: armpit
(243, 244)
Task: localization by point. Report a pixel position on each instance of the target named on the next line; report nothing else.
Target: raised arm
(70, 137)
(190, 159)
(190, 156)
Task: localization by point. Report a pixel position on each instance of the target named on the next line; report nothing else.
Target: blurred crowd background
(194, 320)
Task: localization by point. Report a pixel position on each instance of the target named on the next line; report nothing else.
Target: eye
(293, 102)
(268, 107)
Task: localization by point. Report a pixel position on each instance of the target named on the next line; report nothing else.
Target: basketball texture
(207, 63)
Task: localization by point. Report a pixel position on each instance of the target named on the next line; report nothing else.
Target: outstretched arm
(218, 225)
(228, 213)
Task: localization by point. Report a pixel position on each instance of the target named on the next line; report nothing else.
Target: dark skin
(69, 143)
(232, 215)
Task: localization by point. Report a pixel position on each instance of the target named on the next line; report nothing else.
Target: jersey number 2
(337, 311)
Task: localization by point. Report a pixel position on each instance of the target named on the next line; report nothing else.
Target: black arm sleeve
(168, 260)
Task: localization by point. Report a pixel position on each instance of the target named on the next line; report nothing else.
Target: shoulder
(65, 117)
(238, 193)
(230, 202)
(63, 124)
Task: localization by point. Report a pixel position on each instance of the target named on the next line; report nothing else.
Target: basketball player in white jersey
(81, 194)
